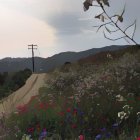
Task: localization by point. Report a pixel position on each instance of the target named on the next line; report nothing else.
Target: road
(23, 95)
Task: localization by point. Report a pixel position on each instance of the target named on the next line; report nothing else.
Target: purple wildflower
(103, 129)
(43, 134)
(108, 135)
(115, 125)
(98, 137)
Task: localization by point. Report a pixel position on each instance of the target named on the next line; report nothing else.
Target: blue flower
(98, 137)
(115, 125)
(103, 129)
(108, 135)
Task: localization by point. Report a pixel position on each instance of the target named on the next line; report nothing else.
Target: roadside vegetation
(84, 100)
(10, 82)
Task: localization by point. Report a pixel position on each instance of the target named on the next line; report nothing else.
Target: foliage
(111, 21)
(10, 82)
(103, 104)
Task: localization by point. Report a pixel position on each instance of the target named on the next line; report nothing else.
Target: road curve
(23, 95)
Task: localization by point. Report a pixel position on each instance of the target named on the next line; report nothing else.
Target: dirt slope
(23, 95)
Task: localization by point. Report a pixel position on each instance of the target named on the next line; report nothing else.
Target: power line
(33, 61)
(38, 51)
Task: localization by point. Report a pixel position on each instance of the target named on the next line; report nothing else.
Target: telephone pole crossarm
(33, 48)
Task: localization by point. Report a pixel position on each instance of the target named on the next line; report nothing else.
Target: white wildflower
(120, 98)
(121, 88)
(121, 114)
(126, 106)
(138, 113)
(130, 94)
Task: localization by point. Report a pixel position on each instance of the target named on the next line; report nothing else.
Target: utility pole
(33, 61)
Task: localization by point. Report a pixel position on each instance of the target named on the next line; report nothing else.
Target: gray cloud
(67, 23)
(73, 26)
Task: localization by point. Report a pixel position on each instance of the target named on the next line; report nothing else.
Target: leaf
(98, 16)
(90, 1)
(98, 1)
(87, 4)
(123, 11)
(102, 18)
(106, 2)
(120, 18)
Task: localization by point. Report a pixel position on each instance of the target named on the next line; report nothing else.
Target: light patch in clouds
(18, 30)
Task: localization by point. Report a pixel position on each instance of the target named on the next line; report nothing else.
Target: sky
(57, 26)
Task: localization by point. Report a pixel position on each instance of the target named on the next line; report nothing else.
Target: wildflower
(108, 135)
(138, 113)
(98, 137)
(103, 129)
(43, 134)
(41, 106)
(121, 115)
(126, 106)
(120, 98)
(22, 108)
(30, 130)
(138, 138)
(74, 111)
(68, 110)
(81, 137)
(26, 137)
(115, 125)
(81, 113)
(73, 125)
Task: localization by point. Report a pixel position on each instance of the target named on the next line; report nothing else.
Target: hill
(104, 56)
(47, 64)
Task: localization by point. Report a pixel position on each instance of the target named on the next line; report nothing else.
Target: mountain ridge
(9, 64)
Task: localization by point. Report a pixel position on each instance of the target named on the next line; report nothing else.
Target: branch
(127, 41)
(111, 31)
(126, 35)
(130, 26)
(115, 31)
(134, 29)
(113, 39)
(103, 25)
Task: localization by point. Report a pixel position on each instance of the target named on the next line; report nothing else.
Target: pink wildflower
(68, 110)
(81, 137)
(138, 138)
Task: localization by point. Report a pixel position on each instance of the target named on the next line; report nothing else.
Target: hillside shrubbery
(98, 102)
(10, 82)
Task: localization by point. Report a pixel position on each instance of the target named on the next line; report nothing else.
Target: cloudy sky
(56, 26)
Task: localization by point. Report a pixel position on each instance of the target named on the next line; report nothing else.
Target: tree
(108, 21)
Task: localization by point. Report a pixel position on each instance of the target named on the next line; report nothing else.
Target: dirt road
(23, 95)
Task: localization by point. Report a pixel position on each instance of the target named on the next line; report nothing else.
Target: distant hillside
(104, 56)
(17, 64)
(46, 64)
